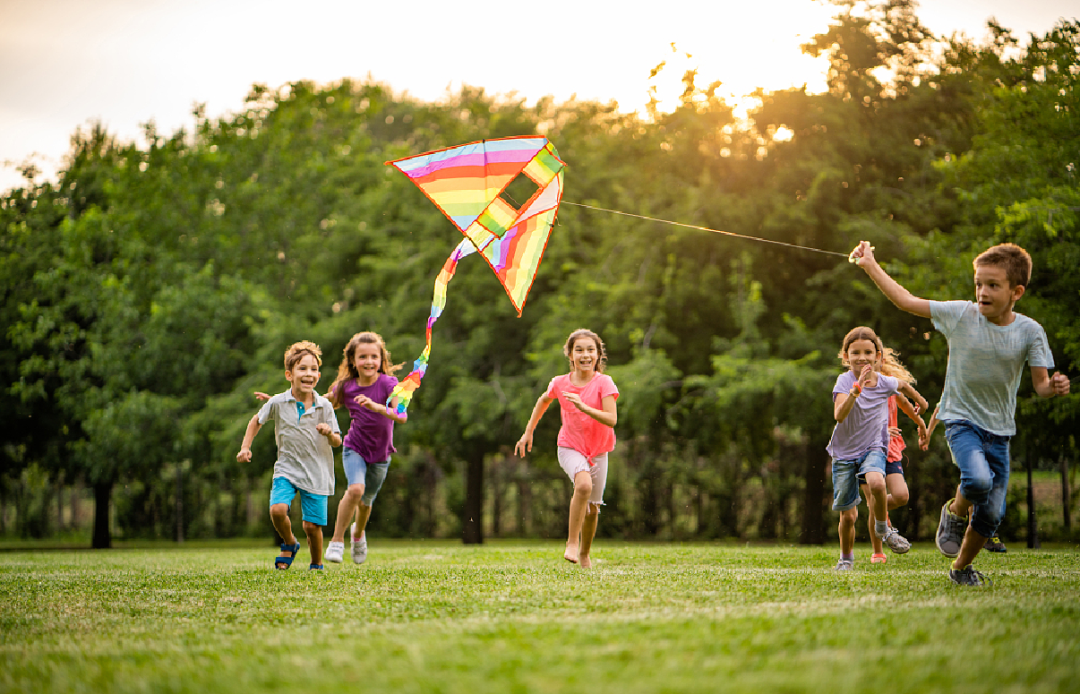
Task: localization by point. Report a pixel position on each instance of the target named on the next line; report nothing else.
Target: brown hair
(860, 333)
(577, 335)
(347, 369)
(1012, 258)
(297, 350)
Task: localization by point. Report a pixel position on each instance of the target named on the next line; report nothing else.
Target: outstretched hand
(244, 456)
(262, 396)
(862, 254)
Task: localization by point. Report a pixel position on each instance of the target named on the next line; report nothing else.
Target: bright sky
(64, 63)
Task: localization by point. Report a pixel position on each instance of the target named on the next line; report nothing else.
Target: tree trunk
(496, 499)
(102, 538)
(1066, 500)
(60, 502)
(1032, 522)
(813, 517)
(472, 532)
(179, 503)
(76, 492)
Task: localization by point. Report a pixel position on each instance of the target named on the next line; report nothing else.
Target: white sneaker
(896, 542)
(334, 552)
(359, 547)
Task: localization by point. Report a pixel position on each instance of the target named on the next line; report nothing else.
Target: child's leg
(876, 502)
(314, 541)
(279, 514)
(345, 510)
(374, 478)
(598, 473)
(588, 532)
(898, 490)
(967, 443)
(987, 516)
(875, 541)
(363, 512)
(847, 531)
(578, 503)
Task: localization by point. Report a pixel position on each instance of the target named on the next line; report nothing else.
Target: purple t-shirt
(370, 433)
(867, 425)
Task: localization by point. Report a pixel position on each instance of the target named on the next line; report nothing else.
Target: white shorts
(572, 462)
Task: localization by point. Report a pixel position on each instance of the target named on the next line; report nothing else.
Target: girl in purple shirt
(362, 386)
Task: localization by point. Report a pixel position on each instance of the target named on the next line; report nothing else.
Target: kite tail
(405, 388)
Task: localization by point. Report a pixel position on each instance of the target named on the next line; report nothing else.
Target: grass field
(440, 617)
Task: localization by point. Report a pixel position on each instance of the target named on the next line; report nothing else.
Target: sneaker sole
(937, 536)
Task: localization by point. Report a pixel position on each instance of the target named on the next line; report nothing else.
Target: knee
(355, 492)
(583, 486)
(876, 483)
(977, 488)
(849, 516)
(279, 511)
(592, 510)
(310, 527)
(900, 497)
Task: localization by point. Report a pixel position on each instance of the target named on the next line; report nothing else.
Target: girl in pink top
(587, 403)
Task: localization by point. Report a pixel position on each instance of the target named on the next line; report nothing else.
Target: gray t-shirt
(867, 425)
(305, 456)
(986, 362)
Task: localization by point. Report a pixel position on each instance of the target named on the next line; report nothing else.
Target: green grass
(440, 617)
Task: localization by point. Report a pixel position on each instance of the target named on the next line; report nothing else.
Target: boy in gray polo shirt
(305, 428)
(988, 346)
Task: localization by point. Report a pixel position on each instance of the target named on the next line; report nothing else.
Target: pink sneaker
(878, 559)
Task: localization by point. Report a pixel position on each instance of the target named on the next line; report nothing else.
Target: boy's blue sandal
(315, 567)
(287, 561)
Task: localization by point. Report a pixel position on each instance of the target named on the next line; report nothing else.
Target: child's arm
(925, 434)
(253, 427)
(607, 416)
(388, 411)
(325, 429)
(903, 299)
(910, 392)
(526, 441)
(1049, 386)
(843, 403)
(905, 406)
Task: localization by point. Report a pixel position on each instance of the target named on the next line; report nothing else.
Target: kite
(467, 184)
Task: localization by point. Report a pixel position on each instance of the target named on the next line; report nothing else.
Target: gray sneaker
(950, 531)
(896, 542)
(845, 565)
(359, 547)
(968, 577)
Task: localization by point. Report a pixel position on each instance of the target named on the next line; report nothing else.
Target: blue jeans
(359, 471)
(983, 459)
(312, 506)
(845, 477)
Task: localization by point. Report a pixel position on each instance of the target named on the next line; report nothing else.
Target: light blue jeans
(845, 477)
(359, 471)
(983, 459)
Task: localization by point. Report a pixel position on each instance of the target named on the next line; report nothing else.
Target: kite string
(701, 228)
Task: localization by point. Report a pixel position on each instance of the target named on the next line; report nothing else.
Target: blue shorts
(845, 477)
(983, 459)
(892, 467)
(312, 506)
(359, 471)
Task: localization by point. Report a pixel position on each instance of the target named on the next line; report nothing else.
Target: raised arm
(525, 443)
(608, 416)
(904, 300)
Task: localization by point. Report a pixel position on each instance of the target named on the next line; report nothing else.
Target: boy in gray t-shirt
(305, 429)
(988, 346)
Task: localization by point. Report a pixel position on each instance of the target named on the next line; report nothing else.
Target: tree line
(154, 285)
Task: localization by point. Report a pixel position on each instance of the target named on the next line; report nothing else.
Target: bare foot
(586, 562)
(571, 554)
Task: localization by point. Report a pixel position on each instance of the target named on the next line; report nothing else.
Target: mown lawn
(440, 617)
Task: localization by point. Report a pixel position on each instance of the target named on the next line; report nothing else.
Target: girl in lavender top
(861, 436)
(363, 384)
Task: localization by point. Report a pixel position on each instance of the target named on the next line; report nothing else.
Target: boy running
(988, 346)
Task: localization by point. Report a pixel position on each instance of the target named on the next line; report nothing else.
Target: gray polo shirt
(986, 362)
(305, 456)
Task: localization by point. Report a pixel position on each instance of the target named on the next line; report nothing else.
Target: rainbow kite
(465, 183)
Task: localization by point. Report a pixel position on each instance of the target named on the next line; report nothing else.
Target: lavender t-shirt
(371, 434)
(867, 425)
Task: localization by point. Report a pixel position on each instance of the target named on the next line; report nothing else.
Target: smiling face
(303, 376)
(584, 355)
(994, 294)
(860, 353)
(366, 360)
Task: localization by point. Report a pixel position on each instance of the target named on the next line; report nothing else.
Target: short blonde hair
(297, 350)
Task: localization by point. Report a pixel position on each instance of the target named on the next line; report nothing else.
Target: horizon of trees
(153, 286)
